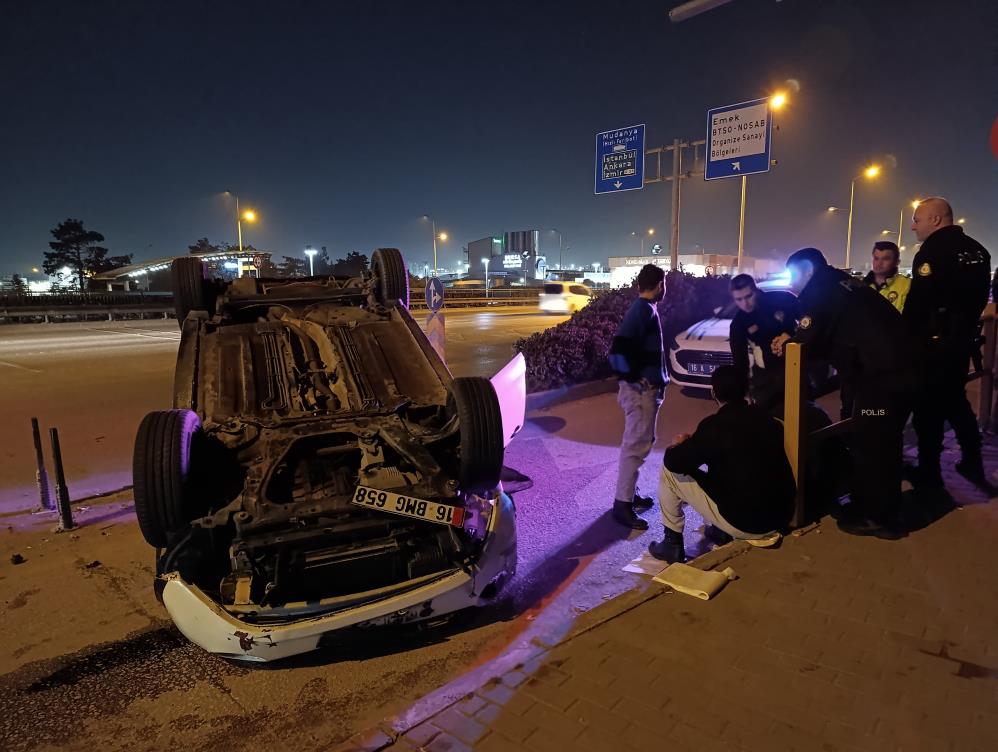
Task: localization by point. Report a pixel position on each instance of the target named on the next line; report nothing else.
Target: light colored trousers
(640, 405)
(675, 488)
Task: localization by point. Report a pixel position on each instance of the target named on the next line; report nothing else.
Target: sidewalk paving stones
(830, 642)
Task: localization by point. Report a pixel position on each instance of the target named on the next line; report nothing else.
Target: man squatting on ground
(636, 359)
(747, 491)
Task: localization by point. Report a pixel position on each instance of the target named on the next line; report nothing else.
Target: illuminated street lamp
(962, 221)
(310, 252)
(486, 262)
(651, 231)
(778, 100)
(869, 173)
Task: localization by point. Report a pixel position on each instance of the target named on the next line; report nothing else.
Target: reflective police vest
(895, 289)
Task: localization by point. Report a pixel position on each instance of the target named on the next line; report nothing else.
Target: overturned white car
(321, 469)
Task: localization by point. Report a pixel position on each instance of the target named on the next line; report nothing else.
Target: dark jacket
(950, 281)
(748, 475)
(855, 328)
(636, 350)
(776, 313)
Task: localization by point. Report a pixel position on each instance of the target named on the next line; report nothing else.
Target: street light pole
(869, 173)
(310, 252)
(486, 262)
(434, 223)
(852, 196)
(741, 224)
(239, 226)
(900, 226)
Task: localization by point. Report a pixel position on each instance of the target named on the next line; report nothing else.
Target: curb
(552, 397)
(390, 730)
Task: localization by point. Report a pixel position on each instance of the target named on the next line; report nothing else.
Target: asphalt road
(96, 380)
(92, 661)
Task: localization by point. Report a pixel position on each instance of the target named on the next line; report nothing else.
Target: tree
(292, 266)
(321, 263)
(203, 247)
(77, 248)
(352, 266)
(18, 285)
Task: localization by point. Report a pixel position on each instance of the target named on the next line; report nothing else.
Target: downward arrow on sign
(617, 185)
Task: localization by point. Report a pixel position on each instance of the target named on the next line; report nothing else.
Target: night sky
(341, 123)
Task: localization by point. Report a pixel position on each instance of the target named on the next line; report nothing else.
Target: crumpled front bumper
(207, 624)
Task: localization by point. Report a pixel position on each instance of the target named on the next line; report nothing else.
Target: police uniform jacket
(894, 289)
(855, 328)
(775, 313)
(951, 276)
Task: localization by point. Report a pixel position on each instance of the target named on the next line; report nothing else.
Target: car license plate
(705, 368)
(408, 506)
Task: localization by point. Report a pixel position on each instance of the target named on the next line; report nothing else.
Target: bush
(576, 350)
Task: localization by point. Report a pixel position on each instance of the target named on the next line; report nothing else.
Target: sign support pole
(677, 168)
(741, 224)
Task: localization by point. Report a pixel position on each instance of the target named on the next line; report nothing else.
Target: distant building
(515, 256)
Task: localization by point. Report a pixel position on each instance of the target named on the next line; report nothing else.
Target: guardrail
(798, 441)
(116, 305)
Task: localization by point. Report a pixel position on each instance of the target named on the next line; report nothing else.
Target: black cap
(812, 255)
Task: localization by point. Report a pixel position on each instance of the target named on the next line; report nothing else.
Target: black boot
(641, 503)
(716, 536)
(972, 469)
(623, 512)
(670, 549)
(924, 477)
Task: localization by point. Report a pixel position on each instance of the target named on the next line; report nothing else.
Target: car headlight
(478, 511)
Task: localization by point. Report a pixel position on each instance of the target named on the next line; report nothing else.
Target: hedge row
(576, 350)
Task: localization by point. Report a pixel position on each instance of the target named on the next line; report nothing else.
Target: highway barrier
(112, 306)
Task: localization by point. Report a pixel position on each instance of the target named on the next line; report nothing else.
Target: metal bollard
(41, 476)
(61, 492)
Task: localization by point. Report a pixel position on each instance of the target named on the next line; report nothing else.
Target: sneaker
(623, 513)
(716, 536)
(641, 503)
(769, 541)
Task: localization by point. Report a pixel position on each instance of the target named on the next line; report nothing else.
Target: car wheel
(161, 473)
(191, 288)
(474, 401)
(392, 288)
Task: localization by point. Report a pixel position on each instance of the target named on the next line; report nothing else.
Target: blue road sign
(620, 160)
(434, 294)
(738, 139)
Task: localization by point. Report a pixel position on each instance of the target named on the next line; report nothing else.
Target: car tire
(192, 289)
(392, 283)
(161, 473)
(473, 399)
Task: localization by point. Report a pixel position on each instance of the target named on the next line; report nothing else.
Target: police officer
(949, 290)
(857, 330)
(761, 317)
(884, 276)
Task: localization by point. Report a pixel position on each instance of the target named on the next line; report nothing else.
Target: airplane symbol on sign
(617, 185)
(736, 166)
